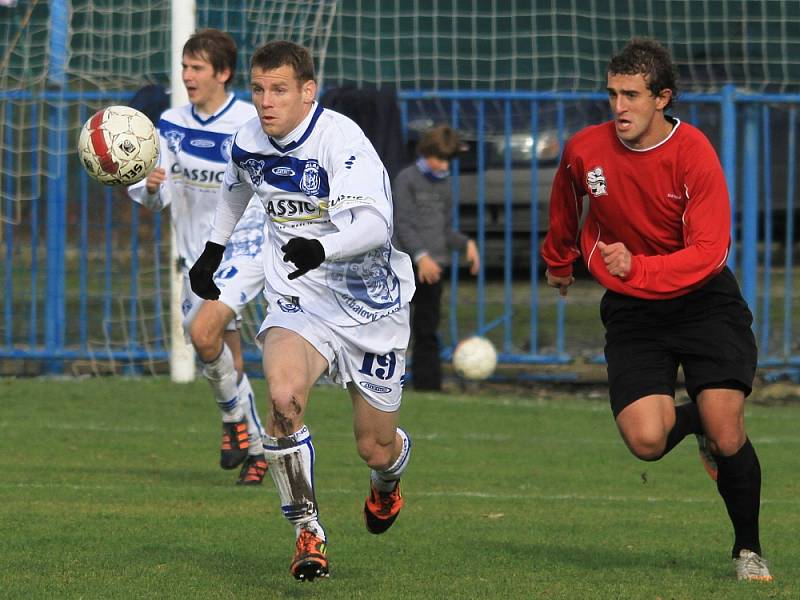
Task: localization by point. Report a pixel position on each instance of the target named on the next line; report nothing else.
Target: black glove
(305, 254)
(201, 275)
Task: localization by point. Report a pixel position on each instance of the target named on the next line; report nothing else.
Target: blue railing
(750, 256)
(72, 297)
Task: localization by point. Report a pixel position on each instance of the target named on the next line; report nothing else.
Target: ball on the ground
(118, 145)
(475, 358)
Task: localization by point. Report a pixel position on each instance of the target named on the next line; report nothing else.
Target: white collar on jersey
(296, 133)
(676, 123)
(205, 119)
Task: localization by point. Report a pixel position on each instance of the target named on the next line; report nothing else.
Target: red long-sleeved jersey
(668, 204)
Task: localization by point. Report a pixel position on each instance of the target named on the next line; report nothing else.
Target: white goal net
(560, 45)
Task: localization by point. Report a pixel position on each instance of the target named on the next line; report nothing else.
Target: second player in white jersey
(194, 152)
(196, 142)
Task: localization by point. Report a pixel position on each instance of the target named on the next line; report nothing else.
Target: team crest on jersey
(254, 168)
(174, 139)
(310, 183)
(366, 286)
(596, 181)
(225, 148)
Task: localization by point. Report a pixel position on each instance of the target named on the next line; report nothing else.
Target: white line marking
(578, 498)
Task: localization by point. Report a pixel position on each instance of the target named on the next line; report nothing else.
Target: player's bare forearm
(560, 283)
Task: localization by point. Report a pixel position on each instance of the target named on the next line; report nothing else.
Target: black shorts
(706, 331)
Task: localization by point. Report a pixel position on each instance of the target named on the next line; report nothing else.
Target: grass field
(110, 489)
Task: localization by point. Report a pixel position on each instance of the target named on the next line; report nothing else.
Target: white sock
(221, 374)
(291, 466)
(255, 431)
(313, 526)
(386, 481)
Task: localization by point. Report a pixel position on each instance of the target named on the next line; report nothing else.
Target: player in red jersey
(656, 235)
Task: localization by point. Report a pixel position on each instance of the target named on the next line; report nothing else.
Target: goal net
(86, 271)
(564, 45)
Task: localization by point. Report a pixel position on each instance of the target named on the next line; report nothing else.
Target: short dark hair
(647, 57)
(442, 142)
(273, 55)
(217, 47)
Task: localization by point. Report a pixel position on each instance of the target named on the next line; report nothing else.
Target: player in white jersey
(342, 307)
(195, 146)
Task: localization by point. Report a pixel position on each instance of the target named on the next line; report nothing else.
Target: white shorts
(239, 280)
(371, 356)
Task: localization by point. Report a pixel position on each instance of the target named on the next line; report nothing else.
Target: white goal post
(181, 358)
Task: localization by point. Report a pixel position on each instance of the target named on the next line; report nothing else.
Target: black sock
(739, 484)
(687, 420)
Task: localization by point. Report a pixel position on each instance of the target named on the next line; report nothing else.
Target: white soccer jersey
(194, 152)
(308, 187)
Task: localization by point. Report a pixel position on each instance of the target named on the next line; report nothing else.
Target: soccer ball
(475, 358)
(118, 146)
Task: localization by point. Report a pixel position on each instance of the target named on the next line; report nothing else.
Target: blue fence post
(56, 198)
(56, 219)
(728, 159)
(508, 223)
(750, 182)
(455, 167)
(481, 296)
(791, 156)
(33, 332)
(83, 259)
(108, 257)
(560, 301)
(8, 188)
(533, 335)
(158, 331)
(59, 22)
(133, 312)
(766, 195)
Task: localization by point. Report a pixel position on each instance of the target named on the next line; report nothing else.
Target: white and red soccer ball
(475, 358)
(118, 146)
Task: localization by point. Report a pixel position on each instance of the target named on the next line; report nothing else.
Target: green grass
(110, 489)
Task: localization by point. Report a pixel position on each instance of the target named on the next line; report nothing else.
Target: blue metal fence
(85, 269)
(741, 128)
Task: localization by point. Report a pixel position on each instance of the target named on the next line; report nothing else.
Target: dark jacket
(377, 113)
